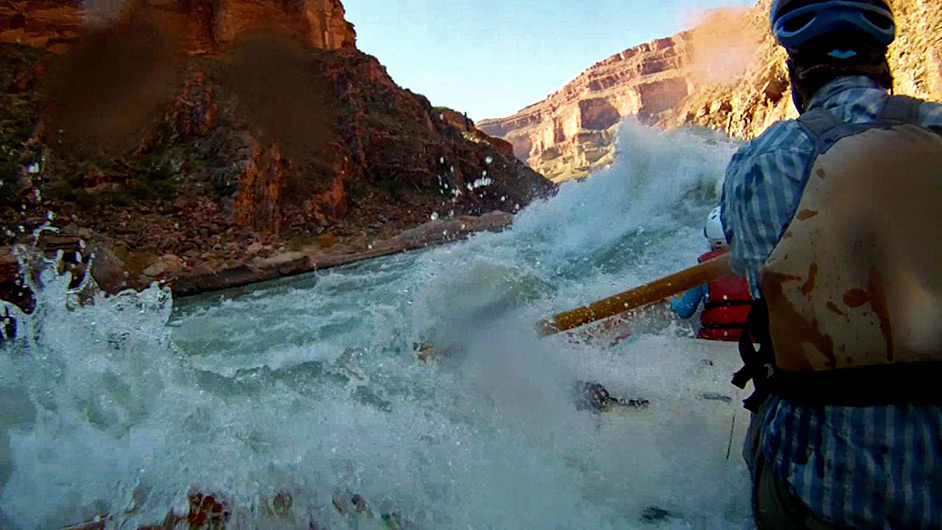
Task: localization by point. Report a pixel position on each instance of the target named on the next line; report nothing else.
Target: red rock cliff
(205, 26)
(744, 105)
(260, 144)
(570, 131)
(727, 73)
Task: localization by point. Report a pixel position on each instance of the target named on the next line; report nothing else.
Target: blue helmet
(795, 22)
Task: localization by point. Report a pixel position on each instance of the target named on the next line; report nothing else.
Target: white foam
(312, 386)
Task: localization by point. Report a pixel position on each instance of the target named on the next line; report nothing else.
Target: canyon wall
(571, 131)
(745, 105)
(186, 137)
(201, 26)
(727, 73)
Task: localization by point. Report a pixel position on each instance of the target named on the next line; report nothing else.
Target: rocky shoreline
(186, 279)
(312, 258)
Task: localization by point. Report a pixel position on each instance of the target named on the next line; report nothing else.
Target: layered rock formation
(221, 23)
(49, 25)
(244, 148)
(571, 131)
(747, 104)
(727, 74)
(201, 26)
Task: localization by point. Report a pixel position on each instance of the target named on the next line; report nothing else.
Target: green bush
(156, 181)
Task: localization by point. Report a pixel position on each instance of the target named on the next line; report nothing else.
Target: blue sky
(490, 58)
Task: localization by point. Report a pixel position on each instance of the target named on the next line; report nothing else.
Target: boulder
(173, 263)
(286, 263)
(254, 248)
(107, 269)
(495, 221)
(156, 269)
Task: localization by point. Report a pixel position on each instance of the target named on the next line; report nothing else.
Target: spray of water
(311, 388)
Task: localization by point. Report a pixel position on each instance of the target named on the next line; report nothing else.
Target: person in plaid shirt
(847, 430)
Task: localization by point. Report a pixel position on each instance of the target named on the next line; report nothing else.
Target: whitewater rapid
(311, 387)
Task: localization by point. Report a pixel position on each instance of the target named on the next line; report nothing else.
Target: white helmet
(713, 230)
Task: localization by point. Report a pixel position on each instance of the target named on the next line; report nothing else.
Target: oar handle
(643, 295)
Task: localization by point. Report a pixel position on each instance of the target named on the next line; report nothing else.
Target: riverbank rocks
(20, 266)
(113, 274)
(443, 230)
(317, 257)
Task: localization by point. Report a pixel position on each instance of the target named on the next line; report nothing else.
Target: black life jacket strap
(868, 386)
(819, 121)
(759, 365)
(903, 109)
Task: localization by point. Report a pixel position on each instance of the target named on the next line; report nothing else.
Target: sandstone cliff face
(198, 162)
(320, 22)
(748, 101)
(203, 26)
(747, 104)
(727, 73)
(571, 131)
(50, 25)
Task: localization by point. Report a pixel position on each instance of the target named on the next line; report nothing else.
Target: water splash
(308, 388)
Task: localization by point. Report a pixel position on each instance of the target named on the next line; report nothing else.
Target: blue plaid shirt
(858, 467)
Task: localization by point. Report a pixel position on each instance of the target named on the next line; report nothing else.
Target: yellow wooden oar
(639, 296)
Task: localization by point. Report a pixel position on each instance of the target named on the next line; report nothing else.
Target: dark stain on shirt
(808, 286)
(856, 298)
(793, 328)
(804, 215)
(877, 287)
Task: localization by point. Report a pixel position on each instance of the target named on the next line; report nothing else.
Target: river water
(285, 396)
